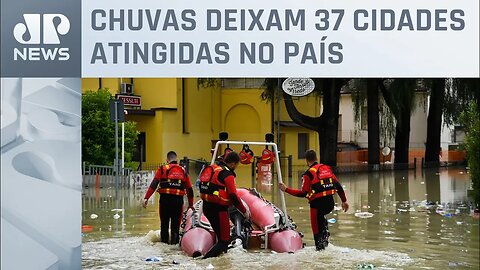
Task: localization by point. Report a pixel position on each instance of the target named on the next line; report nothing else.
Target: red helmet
(267, 157)
(246, 157)
(225, 153)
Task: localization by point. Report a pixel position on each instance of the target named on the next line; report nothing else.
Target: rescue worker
(319, 186)
(172, 182)
(218, 192)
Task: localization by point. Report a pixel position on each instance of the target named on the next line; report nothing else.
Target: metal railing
(104, 176)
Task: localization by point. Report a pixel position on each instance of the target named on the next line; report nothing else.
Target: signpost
(116, 115)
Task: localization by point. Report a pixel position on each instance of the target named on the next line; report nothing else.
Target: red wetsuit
(217, 214)
(321, 206)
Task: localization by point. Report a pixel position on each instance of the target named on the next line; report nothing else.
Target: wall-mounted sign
(129, 100)
(298, 87)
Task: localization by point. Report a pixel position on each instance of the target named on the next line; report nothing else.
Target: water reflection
(419, 215)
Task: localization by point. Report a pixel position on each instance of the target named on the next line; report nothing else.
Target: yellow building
(181, 115)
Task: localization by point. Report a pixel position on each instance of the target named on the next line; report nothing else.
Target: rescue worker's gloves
(267, 157)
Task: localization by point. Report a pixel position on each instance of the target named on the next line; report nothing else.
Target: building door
(140, 152)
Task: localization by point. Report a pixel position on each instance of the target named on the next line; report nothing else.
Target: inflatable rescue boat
(270, 227)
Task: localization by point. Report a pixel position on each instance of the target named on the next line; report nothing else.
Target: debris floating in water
(153, 259)
(455, 264)
(93, 216)
(153, 236)
(444, 213)
(364, 215)
(117, 210)
(116, 216)
(87, 228)
(365, 266)
(332, 220)
(175, 262)
(210, 266)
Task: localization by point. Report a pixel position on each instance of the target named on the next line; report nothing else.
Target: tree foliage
(470, 118)
(459, 93)
(358, 88)
(326, 125)
(209, 82)
(399, 95)
(98, 133)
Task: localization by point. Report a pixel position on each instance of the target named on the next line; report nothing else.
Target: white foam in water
(153, 236)
(130, 253)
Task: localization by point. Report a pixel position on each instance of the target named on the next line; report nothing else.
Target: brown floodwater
(421, 220)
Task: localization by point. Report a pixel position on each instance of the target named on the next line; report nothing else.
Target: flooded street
(420, 221)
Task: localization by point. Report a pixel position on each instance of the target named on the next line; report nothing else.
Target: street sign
(298, 87)
(130, 100)
(119, 110)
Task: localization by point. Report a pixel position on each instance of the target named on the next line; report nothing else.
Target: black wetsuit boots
(321, 239)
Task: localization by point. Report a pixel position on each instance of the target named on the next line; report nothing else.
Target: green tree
(326, 125)
(399, 95)
(458, 94)
(470, 118)
(448, 98)
(366, 93)
(98, 133)
(434, 120)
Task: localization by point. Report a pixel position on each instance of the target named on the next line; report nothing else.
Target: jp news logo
(40, 36)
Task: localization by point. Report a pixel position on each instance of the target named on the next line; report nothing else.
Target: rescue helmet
(246, 157)
(267, 156)
(225, 153)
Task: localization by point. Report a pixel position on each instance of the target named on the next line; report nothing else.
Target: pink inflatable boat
(272, 229)
(198, 236)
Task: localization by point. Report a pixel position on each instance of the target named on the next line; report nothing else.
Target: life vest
(267, 157)
(173, 180)
(246, 156)
(322, 183)
(211, 189)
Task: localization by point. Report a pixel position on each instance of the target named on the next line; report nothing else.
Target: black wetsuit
(171, 208)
